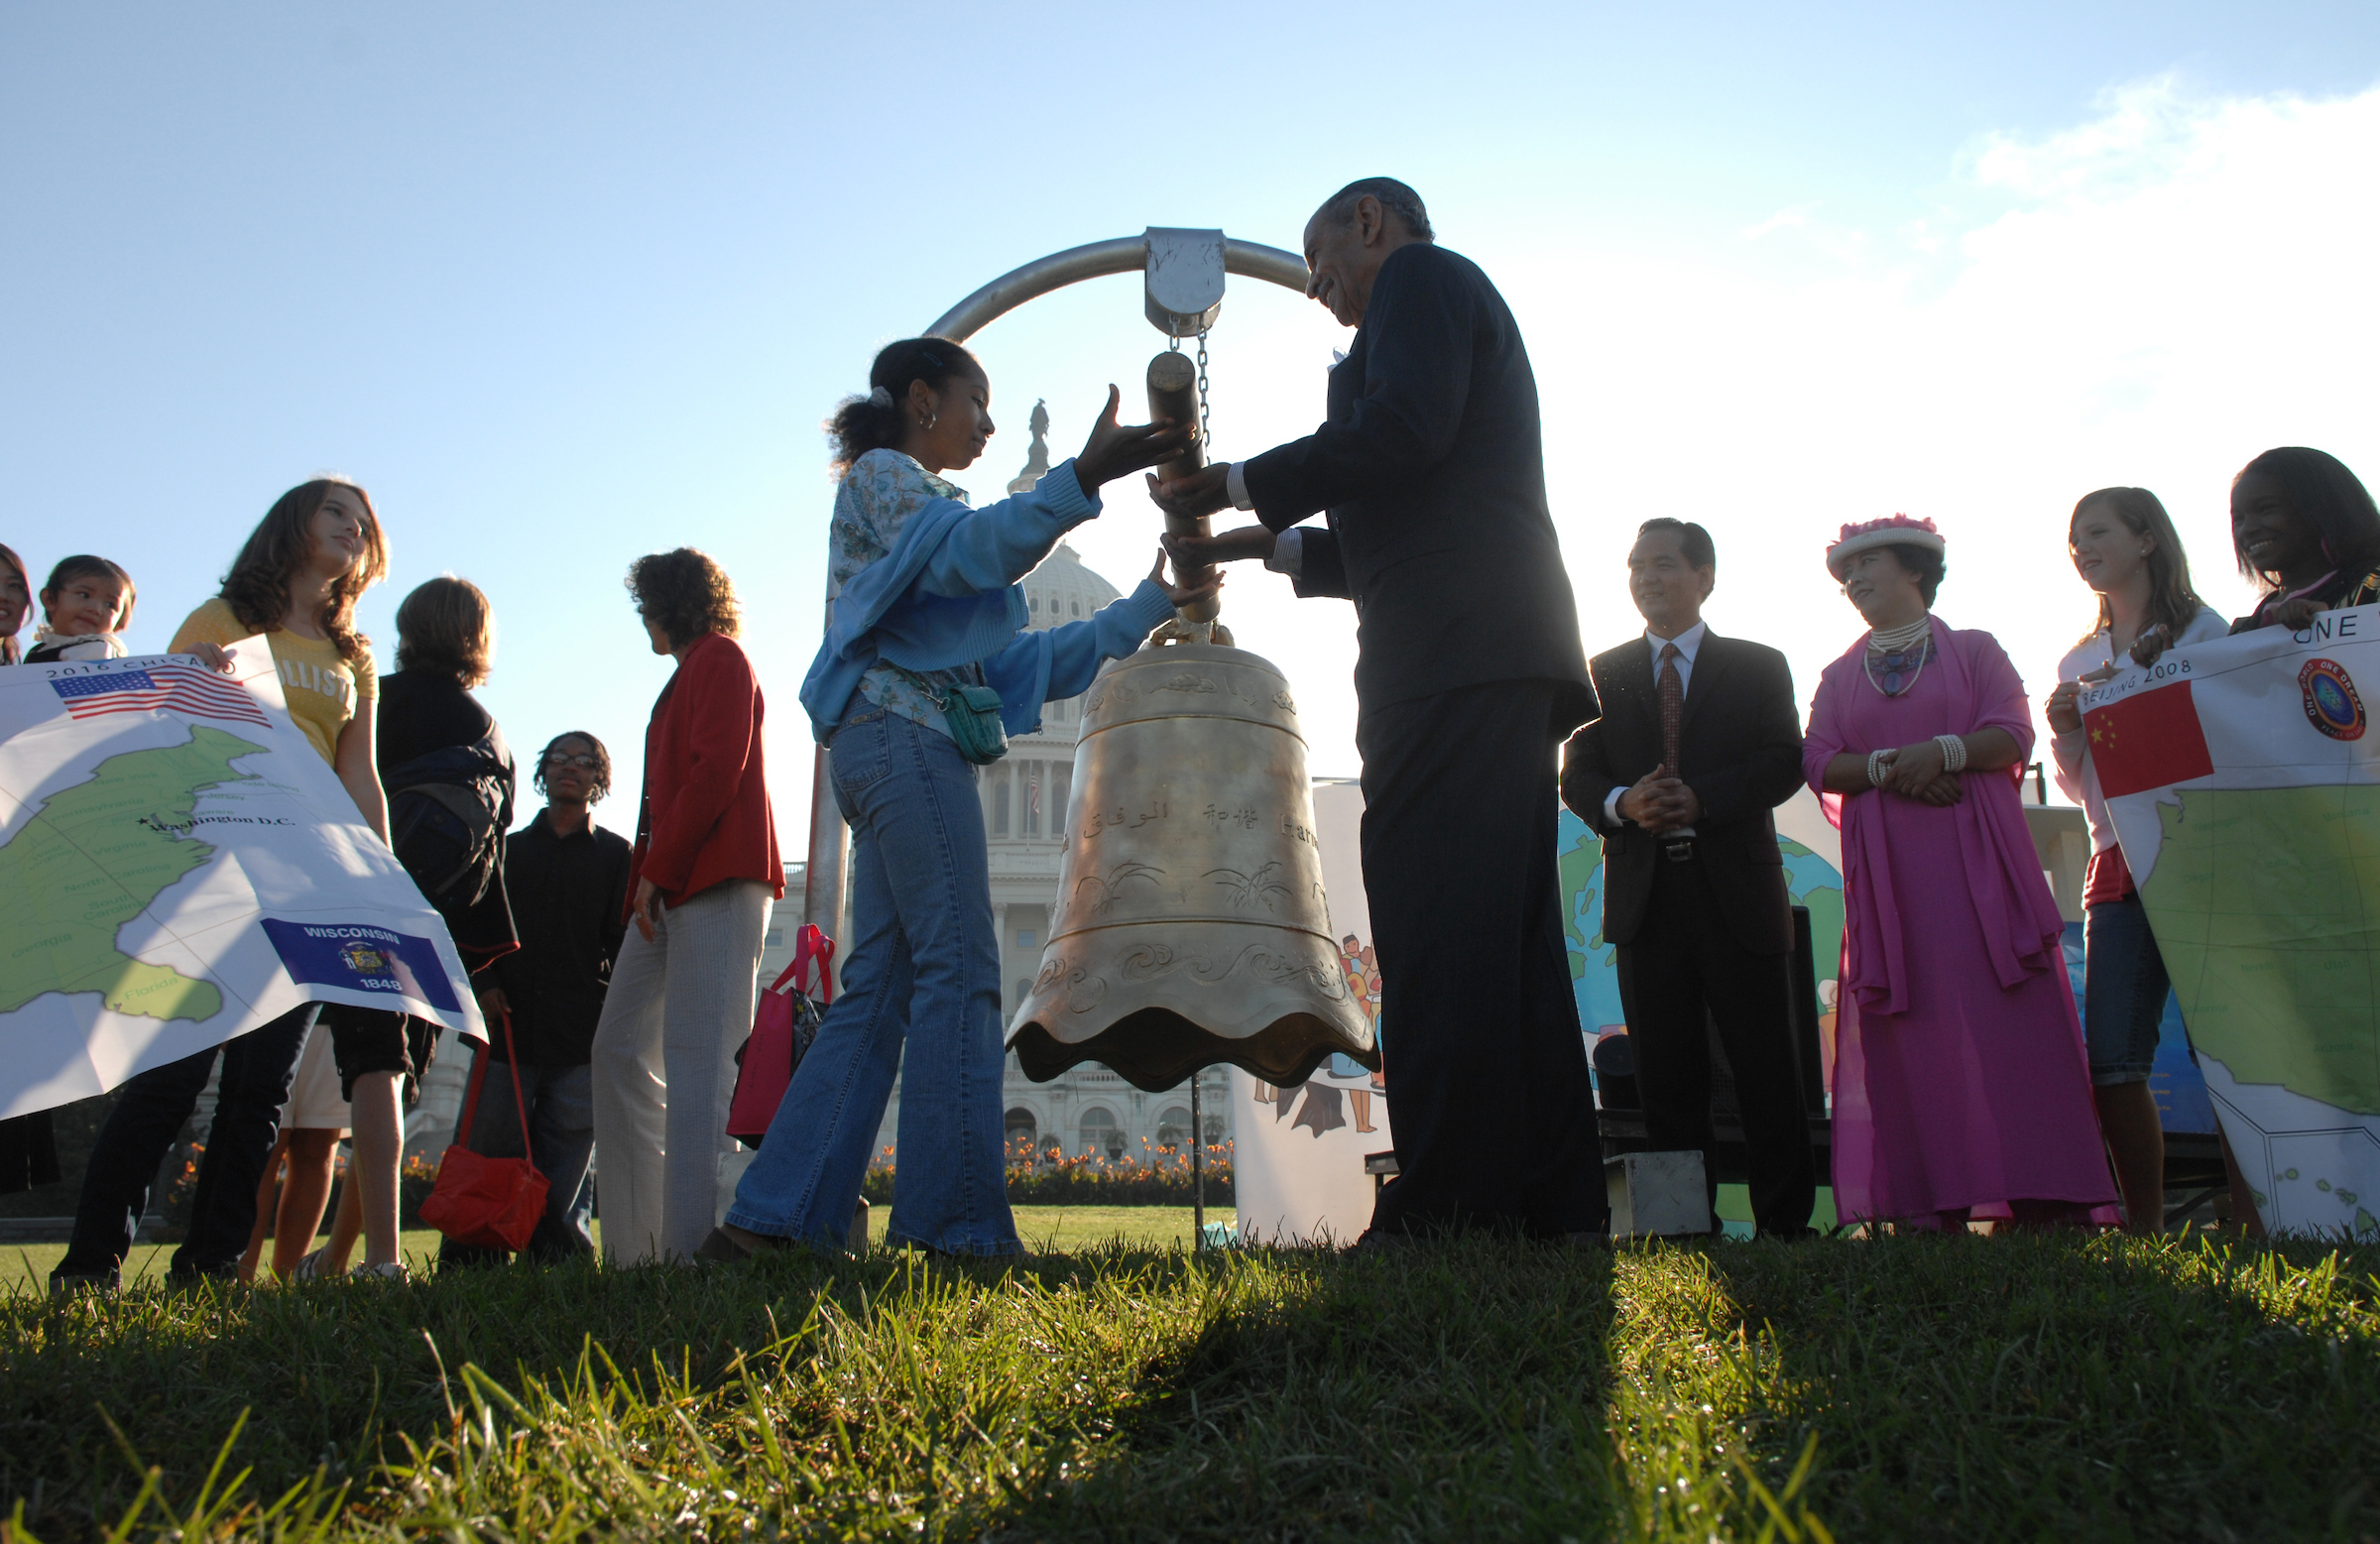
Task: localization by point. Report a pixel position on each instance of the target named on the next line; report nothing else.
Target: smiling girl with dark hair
(15, 600)
(2305, 530)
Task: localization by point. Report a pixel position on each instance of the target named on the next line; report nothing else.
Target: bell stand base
(1285, 1052)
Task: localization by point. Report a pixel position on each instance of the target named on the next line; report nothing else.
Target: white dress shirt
(1289, 547)
(1688, 643)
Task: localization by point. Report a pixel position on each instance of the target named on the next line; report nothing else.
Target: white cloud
(2172, 287)
(2149, 297)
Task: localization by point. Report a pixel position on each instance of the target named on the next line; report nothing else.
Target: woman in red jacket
(701, 881)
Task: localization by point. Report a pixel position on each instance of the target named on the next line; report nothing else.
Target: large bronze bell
(1192, 926)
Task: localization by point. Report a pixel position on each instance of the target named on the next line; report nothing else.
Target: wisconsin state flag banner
(2246, 797)
(2147, 741)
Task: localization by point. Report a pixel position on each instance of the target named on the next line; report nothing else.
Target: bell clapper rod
(1173, 394)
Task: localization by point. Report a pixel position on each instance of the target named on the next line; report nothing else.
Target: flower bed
(1156, 1176)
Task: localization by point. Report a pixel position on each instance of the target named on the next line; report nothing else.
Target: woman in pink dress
(1960, 1088)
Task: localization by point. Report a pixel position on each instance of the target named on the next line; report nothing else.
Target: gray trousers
(664, 1070)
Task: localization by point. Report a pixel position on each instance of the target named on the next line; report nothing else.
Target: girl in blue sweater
(926, 662)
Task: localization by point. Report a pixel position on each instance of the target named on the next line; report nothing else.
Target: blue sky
(561, 285)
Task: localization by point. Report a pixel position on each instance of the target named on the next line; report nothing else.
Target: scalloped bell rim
(1160, 1049)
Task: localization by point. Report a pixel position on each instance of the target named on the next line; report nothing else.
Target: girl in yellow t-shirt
(297, 581)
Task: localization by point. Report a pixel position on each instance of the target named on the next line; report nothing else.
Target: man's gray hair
(1395, 197)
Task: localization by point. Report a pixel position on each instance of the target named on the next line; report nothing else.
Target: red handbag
(782, 1027)
(489, 1203)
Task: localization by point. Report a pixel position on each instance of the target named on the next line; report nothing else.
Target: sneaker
(391, 1271)
(314, 1267)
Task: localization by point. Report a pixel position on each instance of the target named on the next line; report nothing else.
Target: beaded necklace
(1901, 650)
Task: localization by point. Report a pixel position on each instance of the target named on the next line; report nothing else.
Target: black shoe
(84, 1283)
(1372, 1241)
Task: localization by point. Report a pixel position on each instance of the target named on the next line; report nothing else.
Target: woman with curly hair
(926, 662)
(703, 877)
(296, 580)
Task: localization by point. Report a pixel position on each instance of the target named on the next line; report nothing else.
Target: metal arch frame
(1097, 260)
(823, 886)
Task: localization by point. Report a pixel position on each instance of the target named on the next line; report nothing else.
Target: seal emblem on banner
(2332, 703)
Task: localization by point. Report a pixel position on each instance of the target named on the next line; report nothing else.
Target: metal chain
(1173, 344)
(1206, 433)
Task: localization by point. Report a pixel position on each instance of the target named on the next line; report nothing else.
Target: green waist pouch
(973, 714)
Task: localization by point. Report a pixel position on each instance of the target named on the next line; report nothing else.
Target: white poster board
(1298, 1152)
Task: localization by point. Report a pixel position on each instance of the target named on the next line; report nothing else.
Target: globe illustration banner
(181, 867)
(2251, 824)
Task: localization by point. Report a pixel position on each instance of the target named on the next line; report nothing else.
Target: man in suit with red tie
(1698, 743)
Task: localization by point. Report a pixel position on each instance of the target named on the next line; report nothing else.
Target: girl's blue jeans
(923, 971)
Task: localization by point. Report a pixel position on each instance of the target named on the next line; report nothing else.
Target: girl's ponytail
(875, 422)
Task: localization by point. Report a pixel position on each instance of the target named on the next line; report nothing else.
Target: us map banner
(178, 866)
(2243, 776)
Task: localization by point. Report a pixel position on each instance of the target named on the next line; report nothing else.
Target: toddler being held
(84, 606)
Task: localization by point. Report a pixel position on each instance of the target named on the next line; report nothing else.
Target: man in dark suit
(1430, 474)
(1699, 740)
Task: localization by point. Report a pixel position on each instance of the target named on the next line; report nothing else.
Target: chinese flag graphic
(2147, 741)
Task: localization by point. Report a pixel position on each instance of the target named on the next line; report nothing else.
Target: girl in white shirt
(2124, 546)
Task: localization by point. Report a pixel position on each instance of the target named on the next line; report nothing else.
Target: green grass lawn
(1042, 1227)
(2025, 1387)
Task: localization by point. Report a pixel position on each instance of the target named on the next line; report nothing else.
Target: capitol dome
(1063, 590)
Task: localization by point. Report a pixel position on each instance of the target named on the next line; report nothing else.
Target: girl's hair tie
(880, 397)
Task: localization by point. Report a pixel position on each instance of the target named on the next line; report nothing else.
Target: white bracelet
(1954, 752)
(1878, 761)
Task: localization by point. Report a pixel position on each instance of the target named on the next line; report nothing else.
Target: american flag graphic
(172, 687)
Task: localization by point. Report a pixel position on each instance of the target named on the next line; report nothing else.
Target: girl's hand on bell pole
(1117, 448)
(1184, 594)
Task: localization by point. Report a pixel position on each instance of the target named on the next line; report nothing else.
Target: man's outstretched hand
(1229, 546)
(1203, 492)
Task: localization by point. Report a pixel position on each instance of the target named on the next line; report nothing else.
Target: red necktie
(1673, 708)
